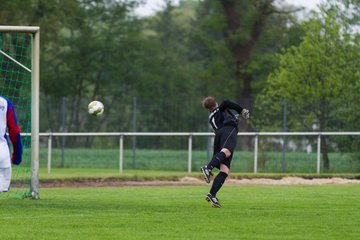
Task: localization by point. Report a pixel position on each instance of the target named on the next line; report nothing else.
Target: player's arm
(229, 104)
(14, 134)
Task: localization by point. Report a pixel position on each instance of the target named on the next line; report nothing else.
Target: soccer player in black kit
(225, 124)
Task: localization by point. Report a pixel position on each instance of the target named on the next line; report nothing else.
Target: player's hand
(245, 113)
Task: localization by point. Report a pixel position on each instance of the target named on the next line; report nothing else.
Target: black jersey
(223, 116)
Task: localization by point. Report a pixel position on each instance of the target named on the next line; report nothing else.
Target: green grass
(249, 212)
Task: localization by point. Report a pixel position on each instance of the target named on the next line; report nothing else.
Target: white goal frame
(35, 100)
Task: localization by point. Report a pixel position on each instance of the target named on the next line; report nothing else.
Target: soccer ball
(96, 108)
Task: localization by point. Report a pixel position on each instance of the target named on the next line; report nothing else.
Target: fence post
(190, 153)
(49, 153)
(256, 152)
(121, 153)
(318, 153)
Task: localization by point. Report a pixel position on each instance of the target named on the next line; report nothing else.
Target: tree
(346, 10)
(319, 79)
(237, 28)
(169, 73)
(236, 42)
(91, 58)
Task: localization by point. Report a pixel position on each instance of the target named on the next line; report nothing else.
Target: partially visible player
(225, 125)
(8, 121)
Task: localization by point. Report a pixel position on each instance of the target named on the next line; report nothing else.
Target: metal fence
(190, 136)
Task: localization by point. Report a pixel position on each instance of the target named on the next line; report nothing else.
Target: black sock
(218, 182)
(216, 160)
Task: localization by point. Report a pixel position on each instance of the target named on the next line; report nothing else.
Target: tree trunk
(242, 50)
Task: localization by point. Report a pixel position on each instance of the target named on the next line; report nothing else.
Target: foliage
(111, 56)
(167, 62)
(346, 10)
(320, 79)
(316, 77)
(88, 52)
(236, 41)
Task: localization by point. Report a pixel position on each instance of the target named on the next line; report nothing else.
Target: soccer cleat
(213, 200)
(207, 173)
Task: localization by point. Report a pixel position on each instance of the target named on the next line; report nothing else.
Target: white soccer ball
(96, 108)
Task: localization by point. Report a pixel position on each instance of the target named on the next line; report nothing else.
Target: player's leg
(5, 179)
(228, 146)
(220, 178)
(206, 170)
(214, 162)
(218, 158)
(218, 182)
(225, 144)
(228, 149)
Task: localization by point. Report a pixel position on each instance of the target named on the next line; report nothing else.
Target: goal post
(19, 64)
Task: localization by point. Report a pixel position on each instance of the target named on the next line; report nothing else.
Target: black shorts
(225, 137)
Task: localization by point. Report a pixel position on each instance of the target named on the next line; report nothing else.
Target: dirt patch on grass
(191, 181)
(294, 181)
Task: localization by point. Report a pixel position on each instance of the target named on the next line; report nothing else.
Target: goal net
(19, 82)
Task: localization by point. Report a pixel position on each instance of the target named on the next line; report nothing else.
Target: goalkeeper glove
(245, 113)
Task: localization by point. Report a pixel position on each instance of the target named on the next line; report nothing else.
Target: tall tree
(318, 78)
(169, 73)
(246, 23)
(90, 59)
(237, 37)
(236, 42)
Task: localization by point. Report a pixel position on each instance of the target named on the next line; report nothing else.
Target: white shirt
(5, 160)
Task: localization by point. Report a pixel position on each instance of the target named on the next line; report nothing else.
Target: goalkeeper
(225, 125)
(8, 121)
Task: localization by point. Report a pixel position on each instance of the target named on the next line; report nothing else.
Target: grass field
(168, 212)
